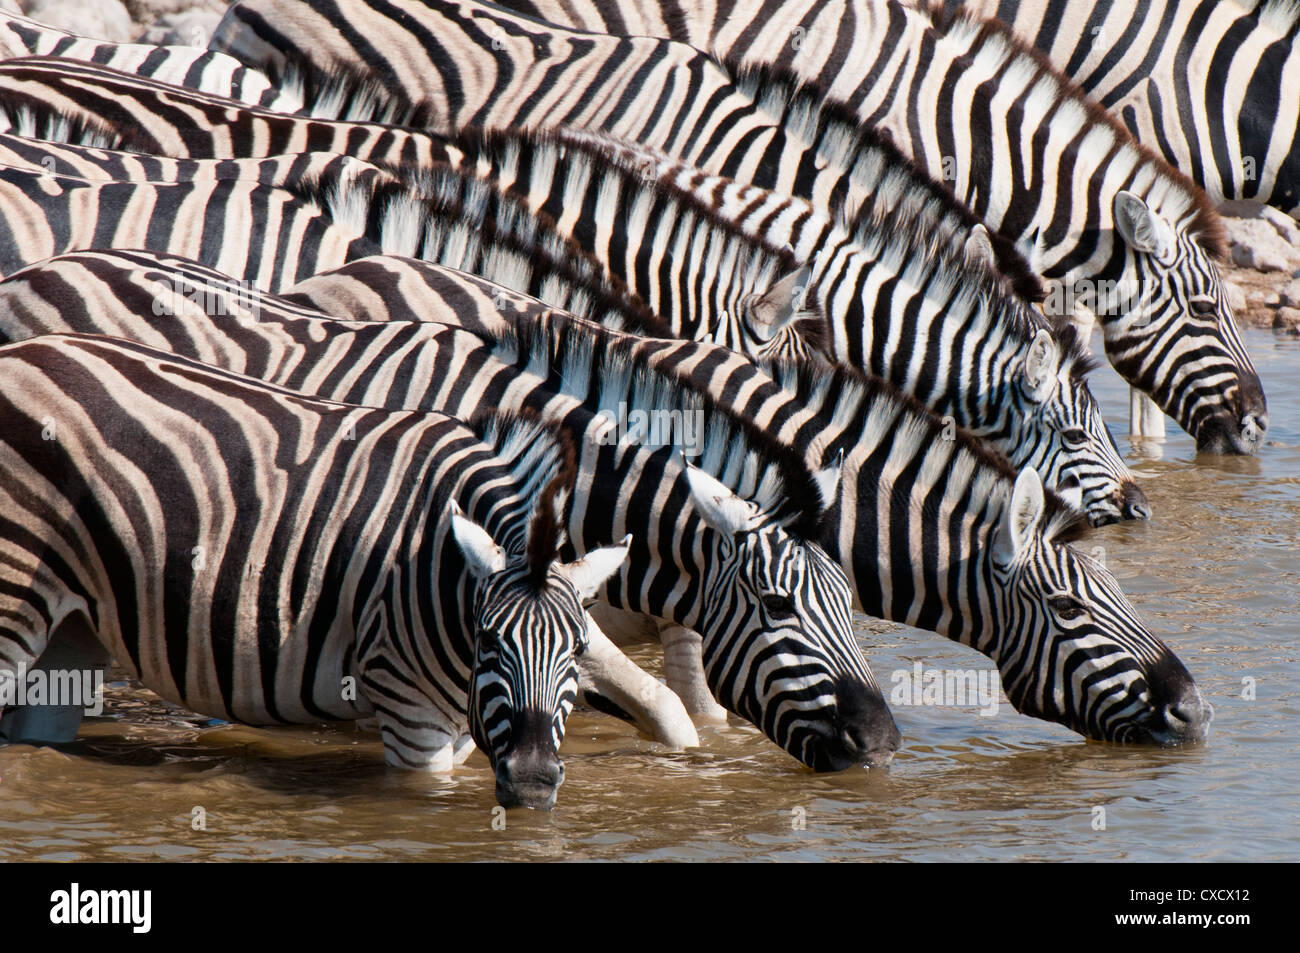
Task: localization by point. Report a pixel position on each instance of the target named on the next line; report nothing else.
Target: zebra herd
(329, 356)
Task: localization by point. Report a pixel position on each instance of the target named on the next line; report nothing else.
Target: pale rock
(1256, 244)
(1287, 319)
(1286, 227)
(1236, 297)
(191, 28)
(98, 19)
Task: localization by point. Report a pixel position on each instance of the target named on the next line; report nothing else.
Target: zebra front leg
(1145, 418)
(654, 708)
(684, 670)
(428, 745)
(68, 668)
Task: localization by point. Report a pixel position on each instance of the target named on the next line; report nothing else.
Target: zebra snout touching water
(262, 556)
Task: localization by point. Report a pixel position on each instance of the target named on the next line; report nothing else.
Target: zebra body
(951, 587)
(190, 66)
(1202, 84)
(109, 165)
(49, 98)
(1117, 231)
(348, 584)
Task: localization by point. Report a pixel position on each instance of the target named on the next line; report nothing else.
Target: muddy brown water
(1216, 574)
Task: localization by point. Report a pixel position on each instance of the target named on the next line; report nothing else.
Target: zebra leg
(684, 670)
(683, 662)
(1145, 418)
(70, 654)
(608, 673)
(425, 745)
(463, 748)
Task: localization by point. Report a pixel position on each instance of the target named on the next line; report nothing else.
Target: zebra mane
(542, 457)
(344, 91)
(591, 362)
(858, 403)
(34, 119)
(755, 256)
(1280, 16)
(874, 160)
(495, 235)
(1171, 192)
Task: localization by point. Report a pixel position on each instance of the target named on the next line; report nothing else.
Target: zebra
(190, 66)
(745, 580)
(395, 564)
(889, 440)
(1119, 233)
(1232, 130)
(88, 104)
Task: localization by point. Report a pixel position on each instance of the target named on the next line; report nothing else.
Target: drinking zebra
(258, 555)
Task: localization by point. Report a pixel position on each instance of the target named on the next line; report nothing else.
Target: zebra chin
(1175, 714)
(861, 731)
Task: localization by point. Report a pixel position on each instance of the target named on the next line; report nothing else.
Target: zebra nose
(529, 779)
(868, 734)
(1134, 503)
(1188, 720)
(1182, 714)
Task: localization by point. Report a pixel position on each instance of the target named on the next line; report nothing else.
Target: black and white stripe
(1199, 83)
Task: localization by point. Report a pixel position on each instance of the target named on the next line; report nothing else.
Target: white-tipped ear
(769, 312)
(828, 479)
(482, 556)
(979, 247)
(1140, 227)
(720, 508)
(589, 573)
(1020, 518)
(1040, 365)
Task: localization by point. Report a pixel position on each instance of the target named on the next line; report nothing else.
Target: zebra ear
(979, 248)
(1140, 227)
(482, 556)
(769, 312)
(1019, 519)
(1040, 365)
(720, 508)
(828, 480)
(589, 573)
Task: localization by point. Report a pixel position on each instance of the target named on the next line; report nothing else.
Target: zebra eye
(778, 606)
(1067, 608)
(1075, 437)
(486, 638)
(1202, 306)
(581, 647)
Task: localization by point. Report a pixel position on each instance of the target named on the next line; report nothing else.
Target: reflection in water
(1214, 573)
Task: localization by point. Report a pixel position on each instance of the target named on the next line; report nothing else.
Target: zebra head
(530, 629)
(778, 647)
(1176, 339)
(1059, 432)
(1070, 647)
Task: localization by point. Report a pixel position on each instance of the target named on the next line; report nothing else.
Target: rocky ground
(1263, 278)
(182, 22)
